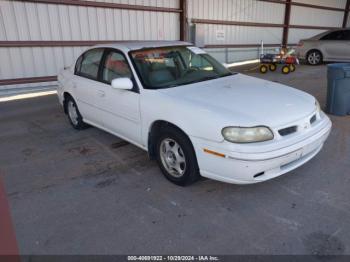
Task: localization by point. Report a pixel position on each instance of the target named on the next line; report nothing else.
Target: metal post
(346, 14)
(183, 20)
(286, 23)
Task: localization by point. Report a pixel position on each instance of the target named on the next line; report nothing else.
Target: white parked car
(191, 113)
(330, 46)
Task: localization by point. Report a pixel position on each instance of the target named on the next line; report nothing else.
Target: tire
(314, 58)
(285, 70)
(292, 67)
(176, 157)
(263, 69)
(74, 116)
(272, 67)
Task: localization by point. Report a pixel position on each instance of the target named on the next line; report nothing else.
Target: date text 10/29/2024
(173, 258)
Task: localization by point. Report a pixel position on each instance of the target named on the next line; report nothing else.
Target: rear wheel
(176, 157)
(74, 115)
(314, 57)
(263, 69)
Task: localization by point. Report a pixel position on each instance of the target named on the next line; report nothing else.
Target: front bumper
(250, 168)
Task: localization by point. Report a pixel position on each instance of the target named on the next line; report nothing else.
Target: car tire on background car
(176, 157)
(314, 57)
(73, 114)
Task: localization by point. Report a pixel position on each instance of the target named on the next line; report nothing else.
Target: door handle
(101, 93)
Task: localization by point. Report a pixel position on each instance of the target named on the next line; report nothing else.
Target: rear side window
(337, 35)
(88, 64)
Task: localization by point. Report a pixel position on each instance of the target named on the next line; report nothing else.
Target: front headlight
(247, 134)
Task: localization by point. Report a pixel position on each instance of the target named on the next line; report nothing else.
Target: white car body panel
(202, 110)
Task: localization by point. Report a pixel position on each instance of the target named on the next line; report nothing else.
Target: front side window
(115, 66)
(174, 66)
(88, 64)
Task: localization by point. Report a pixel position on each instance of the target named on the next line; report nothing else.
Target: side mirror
(123, 83)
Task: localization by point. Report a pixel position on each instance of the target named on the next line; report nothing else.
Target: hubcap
(72, 112)
(172, 157)
(314, 58)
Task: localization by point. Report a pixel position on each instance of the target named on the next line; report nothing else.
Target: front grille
(288, 131)
(313, 119)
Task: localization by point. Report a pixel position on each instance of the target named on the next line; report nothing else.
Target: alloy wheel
(72, 112)
(172, 157)
(314, 58)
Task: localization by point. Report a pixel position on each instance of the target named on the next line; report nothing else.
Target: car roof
(137, 45)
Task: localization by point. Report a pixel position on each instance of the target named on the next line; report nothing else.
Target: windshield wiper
(210, 78)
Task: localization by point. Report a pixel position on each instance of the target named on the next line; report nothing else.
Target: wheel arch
(66, 95)
(312, 50)
(155, 130)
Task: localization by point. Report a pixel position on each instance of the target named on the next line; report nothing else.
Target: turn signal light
(214, 153)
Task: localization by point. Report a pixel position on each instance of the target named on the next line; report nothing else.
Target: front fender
(194, 120)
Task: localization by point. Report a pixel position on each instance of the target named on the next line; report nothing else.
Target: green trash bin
(338, 93)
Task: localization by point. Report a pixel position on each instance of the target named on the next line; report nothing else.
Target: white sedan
(191, 113)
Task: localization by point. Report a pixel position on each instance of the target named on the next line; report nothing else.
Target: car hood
(245, 101)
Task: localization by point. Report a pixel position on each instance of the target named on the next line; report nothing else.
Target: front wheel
(176, 157)
(263, 69)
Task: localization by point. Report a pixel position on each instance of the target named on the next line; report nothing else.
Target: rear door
(336, 46)
(85, 85)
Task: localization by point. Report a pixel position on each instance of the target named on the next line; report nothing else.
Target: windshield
(174, 66)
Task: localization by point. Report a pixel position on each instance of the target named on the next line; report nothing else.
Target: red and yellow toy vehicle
(270, 62)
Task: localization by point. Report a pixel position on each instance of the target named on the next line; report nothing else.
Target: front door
(120, 108)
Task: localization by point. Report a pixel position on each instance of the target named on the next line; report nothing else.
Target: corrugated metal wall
(239, 10)
(33, 21)
(329, 3)
(22, 21)
(314, 17)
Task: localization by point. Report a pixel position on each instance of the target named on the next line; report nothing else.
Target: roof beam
(106, 5)
(329, 8)
(252, 24)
